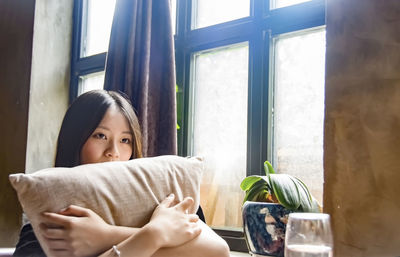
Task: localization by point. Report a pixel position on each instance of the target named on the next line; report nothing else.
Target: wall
(35, 48)
(49, 81)
(362, 126)
(16, 30)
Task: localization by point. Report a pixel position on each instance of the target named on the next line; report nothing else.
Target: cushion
(122, 193)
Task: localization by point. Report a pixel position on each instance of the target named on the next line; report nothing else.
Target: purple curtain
(141, 64)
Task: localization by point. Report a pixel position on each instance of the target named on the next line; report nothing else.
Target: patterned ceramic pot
(264, 228)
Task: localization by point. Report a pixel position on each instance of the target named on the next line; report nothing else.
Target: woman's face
(110, 141)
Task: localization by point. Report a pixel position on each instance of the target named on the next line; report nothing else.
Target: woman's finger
(60, 245)
(196, 229)
(167, 202)
(185, 204)
(57, 219)
(193, 217)
(50, 232)
(74, 210)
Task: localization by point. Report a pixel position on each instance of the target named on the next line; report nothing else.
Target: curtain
(141, 64)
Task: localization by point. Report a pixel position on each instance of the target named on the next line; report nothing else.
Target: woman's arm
(88, 234)
(208, 243)
(168, 227)
(81, 232)
(142, 244)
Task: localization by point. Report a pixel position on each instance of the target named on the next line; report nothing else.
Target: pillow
(122, 193)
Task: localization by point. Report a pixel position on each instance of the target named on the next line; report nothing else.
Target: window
(299, 63)
(250, 78)
(250, 87)
(218, 128)
(92, 27)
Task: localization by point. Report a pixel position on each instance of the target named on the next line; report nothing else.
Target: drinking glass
(308, 235)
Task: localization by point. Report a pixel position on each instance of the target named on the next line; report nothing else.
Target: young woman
(101, 126)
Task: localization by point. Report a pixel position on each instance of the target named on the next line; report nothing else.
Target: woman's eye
(100, 136)
(126, 141)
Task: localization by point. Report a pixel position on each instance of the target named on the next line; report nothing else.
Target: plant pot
(264, 226)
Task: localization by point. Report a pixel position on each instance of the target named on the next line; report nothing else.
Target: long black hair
(83, 117)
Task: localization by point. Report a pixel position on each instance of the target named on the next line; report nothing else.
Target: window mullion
(255, 150)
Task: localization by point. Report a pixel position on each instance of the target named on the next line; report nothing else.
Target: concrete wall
(49, 81)
(362, 126)
(35, 45)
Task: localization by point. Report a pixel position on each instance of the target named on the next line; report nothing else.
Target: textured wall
(49, 81)
(35, 45)
(16, 30)
(362, 126)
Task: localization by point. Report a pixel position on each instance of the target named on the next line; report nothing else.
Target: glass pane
(96, 26)
(91, 82)
(219, 130)
(299, 107)
(210, 12)
(284, 3)
(173, 15)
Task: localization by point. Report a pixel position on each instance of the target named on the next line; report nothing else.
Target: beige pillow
(122, 193)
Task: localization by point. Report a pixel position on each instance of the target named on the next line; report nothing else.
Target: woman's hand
(172, 224)
(76, 231)
(169, 226)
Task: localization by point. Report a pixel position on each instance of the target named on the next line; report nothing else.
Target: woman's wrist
(153, 235)
(117, 234)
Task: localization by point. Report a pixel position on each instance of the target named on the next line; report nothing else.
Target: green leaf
(305, 189)
(308, 203)
(315, 206)
(285, 190)
(248, 182)
(268, 168)
(291, 192)
(262, 196)
(304, 195)
(257, 188)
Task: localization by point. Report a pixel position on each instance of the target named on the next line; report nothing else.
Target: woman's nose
(112, 151)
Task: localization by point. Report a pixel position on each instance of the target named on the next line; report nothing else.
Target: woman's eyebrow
(123, 132)
(102, 127)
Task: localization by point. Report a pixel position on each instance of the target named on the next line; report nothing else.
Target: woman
(101, 126)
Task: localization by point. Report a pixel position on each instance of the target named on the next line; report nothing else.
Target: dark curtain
(141, 64)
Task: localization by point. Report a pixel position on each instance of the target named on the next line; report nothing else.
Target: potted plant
(267, 203)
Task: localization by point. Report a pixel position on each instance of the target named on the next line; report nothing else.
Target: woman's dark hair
(83, 117)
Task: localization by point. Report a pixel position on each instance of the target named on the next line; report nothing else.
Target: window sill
(239, 254)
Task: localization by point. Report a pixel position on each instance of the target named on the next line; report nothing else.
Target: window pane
(96, 26)
(211, 12)
(219, 130)
(284, 3)
(299, 107)
(91, 82)
(173, 15)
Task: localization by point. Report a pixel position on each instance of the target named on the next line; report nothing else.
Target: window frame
(258, 30)
(81, 66)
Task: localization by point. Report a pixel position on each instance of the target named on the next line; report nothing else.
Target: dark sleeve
(201, 214)
(28, 245)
